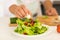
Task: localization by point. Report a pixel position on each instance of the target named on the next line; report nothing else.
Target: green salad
(30, 27)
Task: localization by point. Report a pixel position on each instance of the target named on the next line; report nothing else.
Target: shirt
(32, 5)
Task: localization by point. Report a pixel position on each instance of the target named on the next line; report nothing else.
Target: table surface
(5, 34)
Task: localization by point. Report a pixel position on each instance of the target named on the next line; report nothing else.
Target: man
(32, 7)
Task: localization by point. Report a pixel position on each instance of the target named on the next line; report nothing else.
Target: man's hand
(51, 12)
(20, 11)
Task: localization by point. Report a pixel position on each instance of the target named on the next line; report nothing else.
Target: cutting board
(51, 20)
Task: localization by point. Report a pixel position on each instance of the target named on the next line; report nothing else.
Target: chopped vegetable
(30, 27)
(58, 28)
(13, 20)
(45, 17)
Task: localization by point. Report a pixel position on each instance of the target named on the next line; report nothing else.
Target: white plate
(41, 35)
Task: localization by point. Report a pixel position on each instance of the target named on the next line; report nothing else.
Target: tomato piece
(26, 23)
(58, 28)
(25, 33)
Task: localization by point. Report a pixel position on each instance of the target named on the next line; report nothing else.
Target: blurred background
(1, 7)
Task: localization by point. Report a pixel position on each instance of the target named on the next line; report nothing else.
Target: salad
(30, 27)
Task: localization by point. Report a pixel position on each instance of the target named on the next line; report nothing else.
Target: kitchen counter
(5, 33)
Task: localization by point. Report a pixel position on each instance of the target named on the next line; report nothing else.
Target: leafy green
(30, 29)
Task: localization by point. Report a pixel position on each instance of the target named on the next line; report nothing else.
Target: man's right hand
(51, 12)
(20, 11)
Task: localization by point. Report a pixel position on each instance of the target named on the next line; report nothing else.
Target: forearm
(49, 9)
(47, 4)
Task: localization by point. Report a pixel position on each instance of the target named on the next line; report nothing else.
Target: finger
(21, 11)
(18, 12)
(48, 13)
(26, 10)
(54, 12)
(12, 10)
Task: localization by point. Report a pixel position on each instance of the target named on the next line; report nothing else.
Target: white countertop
(5, 33)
